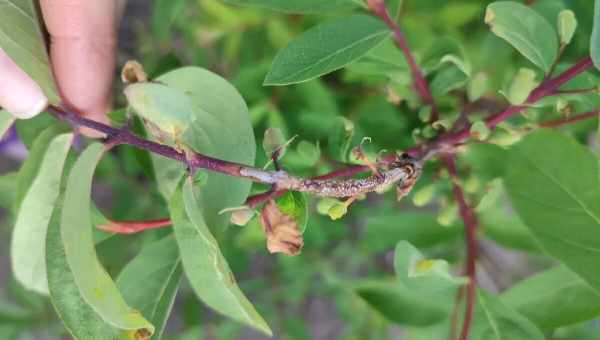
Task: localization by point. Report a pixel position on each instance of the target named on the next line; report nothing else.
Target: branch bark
(378, 8)
(470, 221)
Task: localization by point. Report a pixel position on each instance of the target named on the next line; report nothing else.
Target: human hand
(82, 52)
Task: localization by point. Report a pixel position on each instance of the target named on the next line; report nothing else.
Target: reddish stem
(470, 220)
(131, 227)
(420, 85)
(545, 89)
(570, 120)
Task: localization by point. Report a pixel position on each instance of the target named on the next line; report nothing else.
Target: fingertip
(19, 94)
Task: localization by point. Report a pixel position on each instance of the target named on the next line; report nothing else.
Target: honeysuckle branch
(378, 8)
(470, 221)
(546, 88)
(400, 171)
(122, 136)
(566, 121)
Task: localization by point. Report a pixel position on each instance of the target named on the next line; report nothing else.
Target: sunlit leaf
(552, 183)
(204, 265)
(79, 317)
(95, 285)
(326, 48)
(525, 30)
(28, 245)
(221, 129)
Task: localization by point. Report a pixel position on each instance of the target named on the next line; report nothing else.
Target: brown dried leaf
(133, 72)
(282, 231)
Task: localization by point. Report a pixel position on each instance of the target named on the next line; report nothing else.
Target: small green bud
(323, 205)
(478, 86)
(425, 114)
(272, 141)
(567, 23)
(522, 85)
(337, 211)
(424, 195)
(448, 215)
(479, 130)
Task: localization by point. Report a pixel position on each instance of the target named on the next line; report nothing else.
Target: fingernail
(30, 106)
(19, 94)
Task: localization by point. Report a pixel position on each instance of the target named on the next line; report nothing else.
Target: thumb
(19, 94)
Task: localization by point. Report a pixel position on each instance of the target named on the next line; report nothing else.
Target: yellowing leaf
(283, 234)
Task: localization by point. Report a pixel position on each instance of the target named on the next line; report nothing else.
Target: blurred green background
(309, 296)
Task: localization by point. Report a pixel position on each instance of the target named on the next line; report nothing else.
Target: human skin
(83, 36)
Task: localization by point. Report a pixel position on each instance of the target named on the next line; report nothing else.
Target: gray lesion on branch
(403, 172)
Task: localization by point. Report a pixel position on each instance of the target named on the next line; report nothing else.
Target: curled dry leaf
(133, 72)
(282, 230)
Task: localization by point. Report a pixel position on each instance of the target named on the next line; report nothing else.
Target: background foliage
(386, 270)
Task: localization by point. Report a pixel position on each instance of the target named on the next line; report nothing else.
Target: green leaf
(31, 167)
(553, 183)
(150, 281)
(30, 129)
(29, 234)
(94, 283)
(537, 297)
(6, 121)
(567, 24)
(326, 48)
(298, 6)
(222, 129)
(79, 317)
(401, 305)
(394, 6)
(595, 40)
(446, 80)
(204, 264)
(445, 50)
(525, 30)
(168, 108)
(495, 321)
(21, 38)
(294, 204)
(421, 275)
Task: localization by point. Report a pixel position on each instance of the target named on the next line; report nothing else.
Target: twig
(132, 227)
(398, 172)
(578, 91)
(565, 121)
(547, 88)
(471, 223)
(121, 136)
(377, 7)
